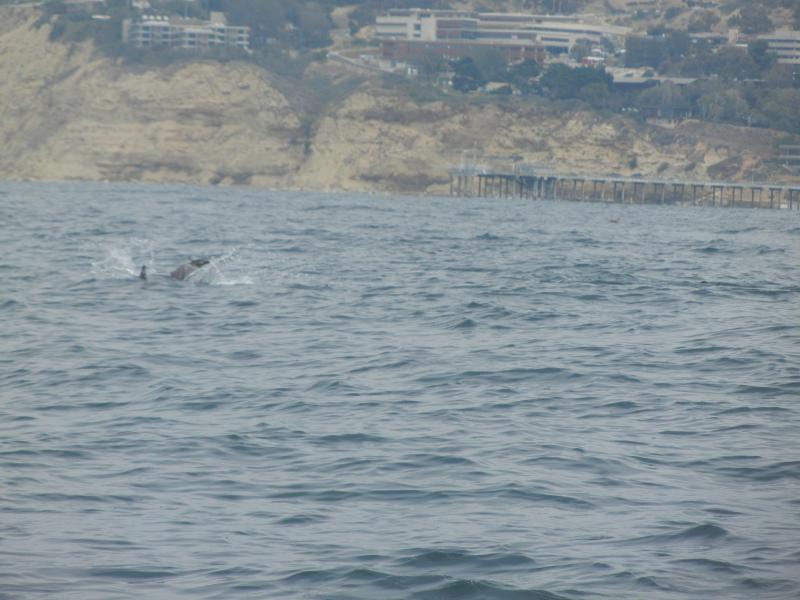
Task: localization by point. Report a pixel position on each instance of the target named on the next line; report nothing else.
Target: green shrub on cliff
(300, 24)
(563, 82)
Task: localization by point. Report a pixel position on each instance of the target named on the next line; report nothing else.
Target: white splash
(222, 270)
(124, 260)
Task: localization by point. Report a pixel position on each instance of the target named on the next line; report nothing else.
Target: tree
(723, 103)
(312, 25)
(562, 82)
(645, 51)
(492, 64)
(523, 73)
(667, 101)
(467, 76)
(759, 53)
(581, 49)
(752, 18)
(780, 109)
(598, 95)
(734, 63)
(781, 75)
(430, 64)
(699, 62)
(678, 44)
(702, 21)
(266, 18)
(673, 12)
(301, 24)
(728, 62)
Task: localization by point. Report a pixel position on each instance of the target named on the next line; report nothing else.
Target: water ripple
(374, 397)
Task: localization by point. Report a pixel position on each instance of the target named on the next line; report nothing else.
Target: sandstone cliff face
(70, 114)
(66, 112)
(390, 143)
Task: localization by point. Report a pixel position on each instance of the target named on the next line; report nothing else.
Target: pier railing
(534, 181)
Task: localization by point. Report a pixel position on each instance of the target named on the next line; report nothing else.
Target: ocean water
(374, 397)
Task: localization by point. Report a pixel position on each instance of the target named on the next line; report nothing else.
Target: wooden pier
(524, 181)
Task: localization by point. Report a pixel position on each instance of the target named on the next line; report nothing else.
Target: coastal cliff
(69, 112)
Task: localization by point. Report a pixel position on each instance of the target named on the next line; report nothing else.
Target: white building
(175, 32)
(556, 32)
(784, 44)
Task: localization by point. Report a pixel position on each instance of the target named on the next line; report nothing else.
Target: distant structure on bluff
(192, 34)
(405, 33)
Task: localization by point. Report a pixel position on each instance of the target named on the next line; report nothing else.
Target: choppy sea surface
(374, 397)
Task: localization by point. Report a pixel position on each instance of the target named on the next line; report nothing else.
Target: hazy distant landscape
(311, 96)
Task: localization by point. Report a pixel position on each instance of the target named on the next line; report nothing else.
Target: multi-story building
(410, 51)
(785, 45)
(556, 33)
(175, 32)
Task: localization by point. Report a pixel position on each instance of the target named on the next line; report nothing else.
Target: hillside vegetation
(69, 111)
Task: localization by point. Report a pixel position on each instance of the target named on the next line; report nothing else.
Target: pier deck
(525, 181)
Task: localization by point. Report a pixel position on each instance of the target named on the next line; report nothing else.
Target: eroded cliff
(68, 112)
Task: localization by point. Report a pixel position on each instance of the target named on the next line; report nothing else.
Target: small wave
(759, 390)
(465, 324)
(774, 472)
(700, 349)
(716, 247)
(787, 587)
(362, 577)
(131, 574)
(81, 499)
(350, 438)
(378, 366)
(244, 303)
(200, 405)
(11, 304)
(714, 566)
(301, 520)
(769, 250)
(437, 460)
(473, 305)
(333, 385)
(245, 355)
(470, 589)
(753, 409)
(234, 572)
(738, 230)
(700, 533)
(500, 377)
(641, 581)
(540, 497)
(101, 372)
(461, 558)
(621, 405)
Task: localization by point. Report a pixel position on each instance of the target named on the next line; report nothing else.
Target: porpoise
(185, 270)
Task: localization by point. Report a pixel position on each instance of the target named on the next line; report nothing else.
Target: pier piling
(528, 182)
